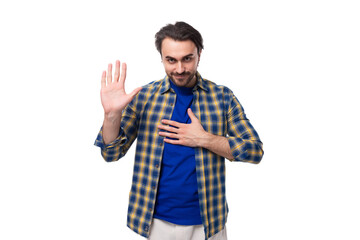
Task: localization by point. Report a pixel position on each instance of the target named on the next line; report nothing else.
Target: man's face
(180, 59)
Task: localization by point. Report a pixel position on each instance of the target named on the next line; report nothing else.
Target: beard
(185, 79)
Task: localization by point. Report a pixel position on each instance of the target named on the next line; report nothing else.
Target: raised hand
(114, 99)
(113, 96)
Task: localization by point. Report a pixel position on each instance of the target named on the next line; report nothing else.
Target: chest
(208, 107)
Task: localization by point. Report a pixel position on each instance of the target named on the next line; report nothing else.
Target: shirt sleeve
(127, 134)
(244, 141)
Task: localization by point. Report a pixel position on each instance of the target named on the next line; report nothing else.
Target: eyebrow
(189, 55)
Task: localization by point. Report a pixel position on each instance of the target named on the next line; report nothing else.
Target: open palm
(113, 96)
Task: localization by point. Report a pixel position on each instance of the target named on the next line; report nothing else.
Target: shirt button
(153, 187)
(146, 228)
(171, 104)
(157, 165)
(150, 209)
(160, 144)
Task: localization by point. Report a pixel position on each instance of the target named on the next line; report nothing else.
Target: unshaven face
(180, 59)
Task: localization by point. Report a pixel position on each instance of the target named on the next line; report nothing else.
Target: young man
(185, 126)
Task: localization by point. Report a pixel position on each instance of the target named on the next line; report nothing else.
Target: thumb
(135, 91)
(192, 115)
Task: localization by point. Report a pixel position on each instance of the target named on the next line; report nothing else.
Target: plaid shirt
(219, 112)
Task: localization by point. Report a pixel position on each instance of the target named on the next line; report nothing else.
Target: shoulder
(154, 84)
(147, 92)
(149, 89)
(222, 94)
(152, 87)
(217, 88)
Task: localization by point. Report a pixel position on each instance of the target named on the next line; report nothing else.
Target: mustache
(180, 74)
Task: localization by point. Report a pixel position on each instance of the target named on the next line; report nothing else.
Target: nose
(180, 67)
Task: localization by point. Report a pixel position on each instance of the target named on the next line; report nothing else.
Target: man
(185, 126)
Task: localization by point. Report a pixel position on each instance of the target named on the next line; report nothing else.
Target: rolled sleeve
(115, 149)
(243, 139)
(245, 150)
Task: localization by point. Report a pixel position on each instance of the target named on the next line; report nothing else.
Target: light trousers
(162, 230)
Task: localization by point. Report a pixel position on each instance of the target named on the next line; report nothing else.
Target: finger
(123, 73)
(109, 73)
(169, 129)
(117, 71)
(172, 141)
(171, 123)
(103, 79)
(192, 115)
(169, 135)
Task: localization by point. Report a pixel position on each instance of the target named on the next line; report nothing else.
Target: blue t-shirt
(177, 199)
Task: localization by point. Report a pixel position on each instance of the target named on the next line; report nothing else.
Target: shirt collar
(199, 84)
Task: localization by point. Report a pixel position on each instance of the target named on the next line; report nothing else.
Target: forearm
(216, 144)
(111, 127)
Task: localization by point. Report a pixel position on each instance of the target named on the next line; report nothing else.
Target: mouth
(181, 76)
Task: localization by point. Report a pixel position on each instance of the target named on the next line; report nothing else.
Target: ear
(199, 57)
(161, 58)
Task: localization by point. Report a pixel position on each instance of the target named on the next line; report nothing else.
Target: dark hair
(180, 31)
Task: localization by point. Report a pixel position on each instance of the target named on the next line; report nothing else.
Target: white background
(292, 64)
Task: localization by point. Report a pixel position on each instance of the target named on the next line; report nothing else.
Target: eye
(187, 59)
(171, 60)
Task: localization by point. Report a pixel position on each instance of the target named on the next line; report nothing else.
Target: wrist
(114, 115)
(205, 140)
(112, 118)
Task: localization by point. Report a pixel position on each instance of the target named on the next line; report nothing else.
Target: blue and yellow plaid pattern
(220, 113)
